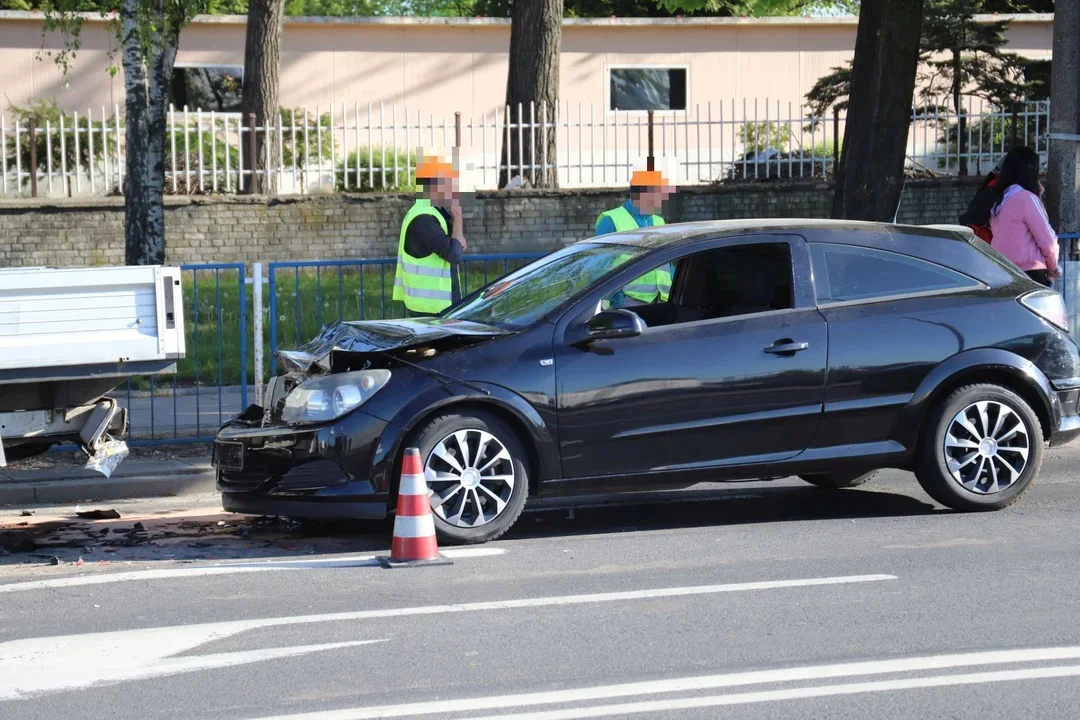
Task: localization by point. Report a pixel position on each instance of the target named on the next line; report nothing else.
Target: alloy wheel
(987, 447)
(470, 475)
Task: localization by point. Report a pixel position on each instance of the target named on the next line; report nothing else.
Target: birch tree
(147, 34)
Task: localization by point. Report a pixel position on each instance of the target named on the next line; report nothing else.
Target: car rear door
(700, 395)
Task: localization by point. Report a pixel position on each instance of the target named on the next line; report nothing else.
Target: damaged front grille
(313, 475)
(228, 456)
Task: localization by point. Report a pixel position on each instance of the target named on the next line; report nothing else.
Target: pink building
(442, 66)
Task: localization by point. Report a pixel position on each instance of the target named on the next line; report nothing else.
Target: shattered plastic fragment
(108, 456)
(109, 514)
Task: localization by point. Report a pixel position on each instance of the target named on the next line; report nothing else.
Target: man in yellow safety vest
(648, 192)
(431, 243)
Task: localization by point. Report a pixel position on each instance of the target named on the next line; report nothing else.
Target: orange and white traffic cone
(414, 526)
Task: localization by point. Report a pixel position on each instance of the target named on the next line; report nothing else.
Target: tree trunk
(140, 248)
(1063, 176)
(870, 178)
(535, 39)
(262, 61)
(161, 71)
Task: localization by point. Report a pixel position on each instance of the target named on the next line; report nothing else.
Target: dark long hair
(1020, 167)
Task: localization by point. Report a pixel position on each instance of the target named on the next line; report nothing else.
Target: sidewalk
(133, 479)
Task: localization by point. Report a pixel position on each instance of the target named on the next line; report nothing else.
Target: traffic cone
(414, 526)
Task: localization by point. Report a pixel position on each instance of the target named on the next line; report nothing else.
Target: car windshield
(525, 296)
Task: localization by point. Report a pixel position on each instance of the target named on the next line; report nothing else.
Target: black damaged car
(823, 349)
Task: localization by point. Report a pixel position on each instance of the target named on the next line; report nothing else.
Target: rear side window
(843, 273)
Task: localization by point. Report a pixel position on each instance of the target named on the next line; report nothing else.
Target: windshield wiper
(439, 375)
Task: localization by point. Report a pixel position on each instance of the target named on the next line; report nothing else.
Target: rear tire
(839, 480)
(980, 450)
(476, 459)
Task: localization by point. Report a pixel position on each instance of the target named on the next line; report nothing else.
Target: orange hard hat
(434, 169)
(647, 178)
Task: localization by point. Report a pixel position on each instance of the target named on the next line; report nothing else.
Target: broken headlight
(330, 397)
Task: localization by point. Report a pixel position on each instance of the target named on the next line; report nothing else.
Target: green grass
(305, 301)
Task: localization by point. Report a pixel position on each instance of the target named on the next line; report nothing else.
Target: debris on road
(26, 513)
(108, 456)
(97, 514)
(166, 530)
(17, 542)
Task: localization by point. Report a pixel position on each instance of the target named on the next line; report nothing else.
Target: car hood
(377, 336)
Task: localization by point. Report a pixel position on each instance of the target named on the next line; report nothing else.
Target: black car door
(734, 373)
(892, 319)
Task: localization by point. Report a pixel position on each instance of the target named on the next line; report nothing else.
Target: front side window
(647, 89)
(527, 295)
(843, 273)
(713, 284)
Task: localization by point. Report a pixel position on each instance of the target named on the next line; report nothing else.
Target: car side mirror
(611, 324)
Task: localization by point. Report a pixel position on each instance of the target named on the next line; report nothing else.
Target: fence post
(257, 305)
(33, 157)
(251, 155)
(457, 130)
(835, 139)
(651, 162)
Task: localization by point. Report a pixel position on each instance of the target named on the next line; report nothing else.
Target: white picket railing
(361, 148)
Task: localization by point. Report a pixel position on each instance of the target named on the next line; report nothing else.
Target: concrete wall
(246, 229)
(439, 66)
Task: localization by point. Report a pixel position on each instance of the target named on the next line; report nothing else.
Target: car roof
(855, 232)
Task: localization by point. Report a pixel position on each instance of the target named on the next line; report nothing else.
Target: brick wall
(245, 229)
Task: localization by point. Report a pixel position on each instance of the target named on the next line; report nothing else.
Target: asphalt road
(749, 601)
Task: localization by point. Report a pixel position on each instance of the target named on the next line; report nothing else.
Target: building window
(638, 88)
(207, 87)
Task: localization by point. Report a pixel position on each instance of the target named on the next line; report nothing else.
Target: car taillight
(1049, 305)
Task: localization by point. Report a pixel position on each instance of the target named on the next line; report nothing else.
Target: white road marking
(796, 694)
(710, 682)
(229, 569)
(68, 662)
(40, 665)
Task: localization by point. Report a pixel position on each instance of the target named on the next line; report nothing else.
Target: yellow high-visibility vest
(424, 284)
(653, 283)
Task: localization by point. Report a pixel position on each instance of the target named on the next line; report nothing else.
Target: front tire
(477, 472)
(981, 449)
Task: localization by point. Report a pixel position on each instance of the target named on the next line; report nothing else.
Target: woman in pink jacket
(1020, 227)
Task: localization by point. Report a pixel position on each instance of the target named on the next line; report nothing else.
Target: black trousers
(1040, 276)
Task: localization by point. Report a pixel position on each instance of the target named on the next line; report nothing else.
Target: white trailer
(70, 336)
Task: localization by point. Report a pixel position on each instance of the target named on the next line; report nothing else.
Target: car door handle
(786, 347)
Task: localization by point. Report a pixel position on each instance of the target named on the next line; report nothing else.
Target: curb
(79, 488)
